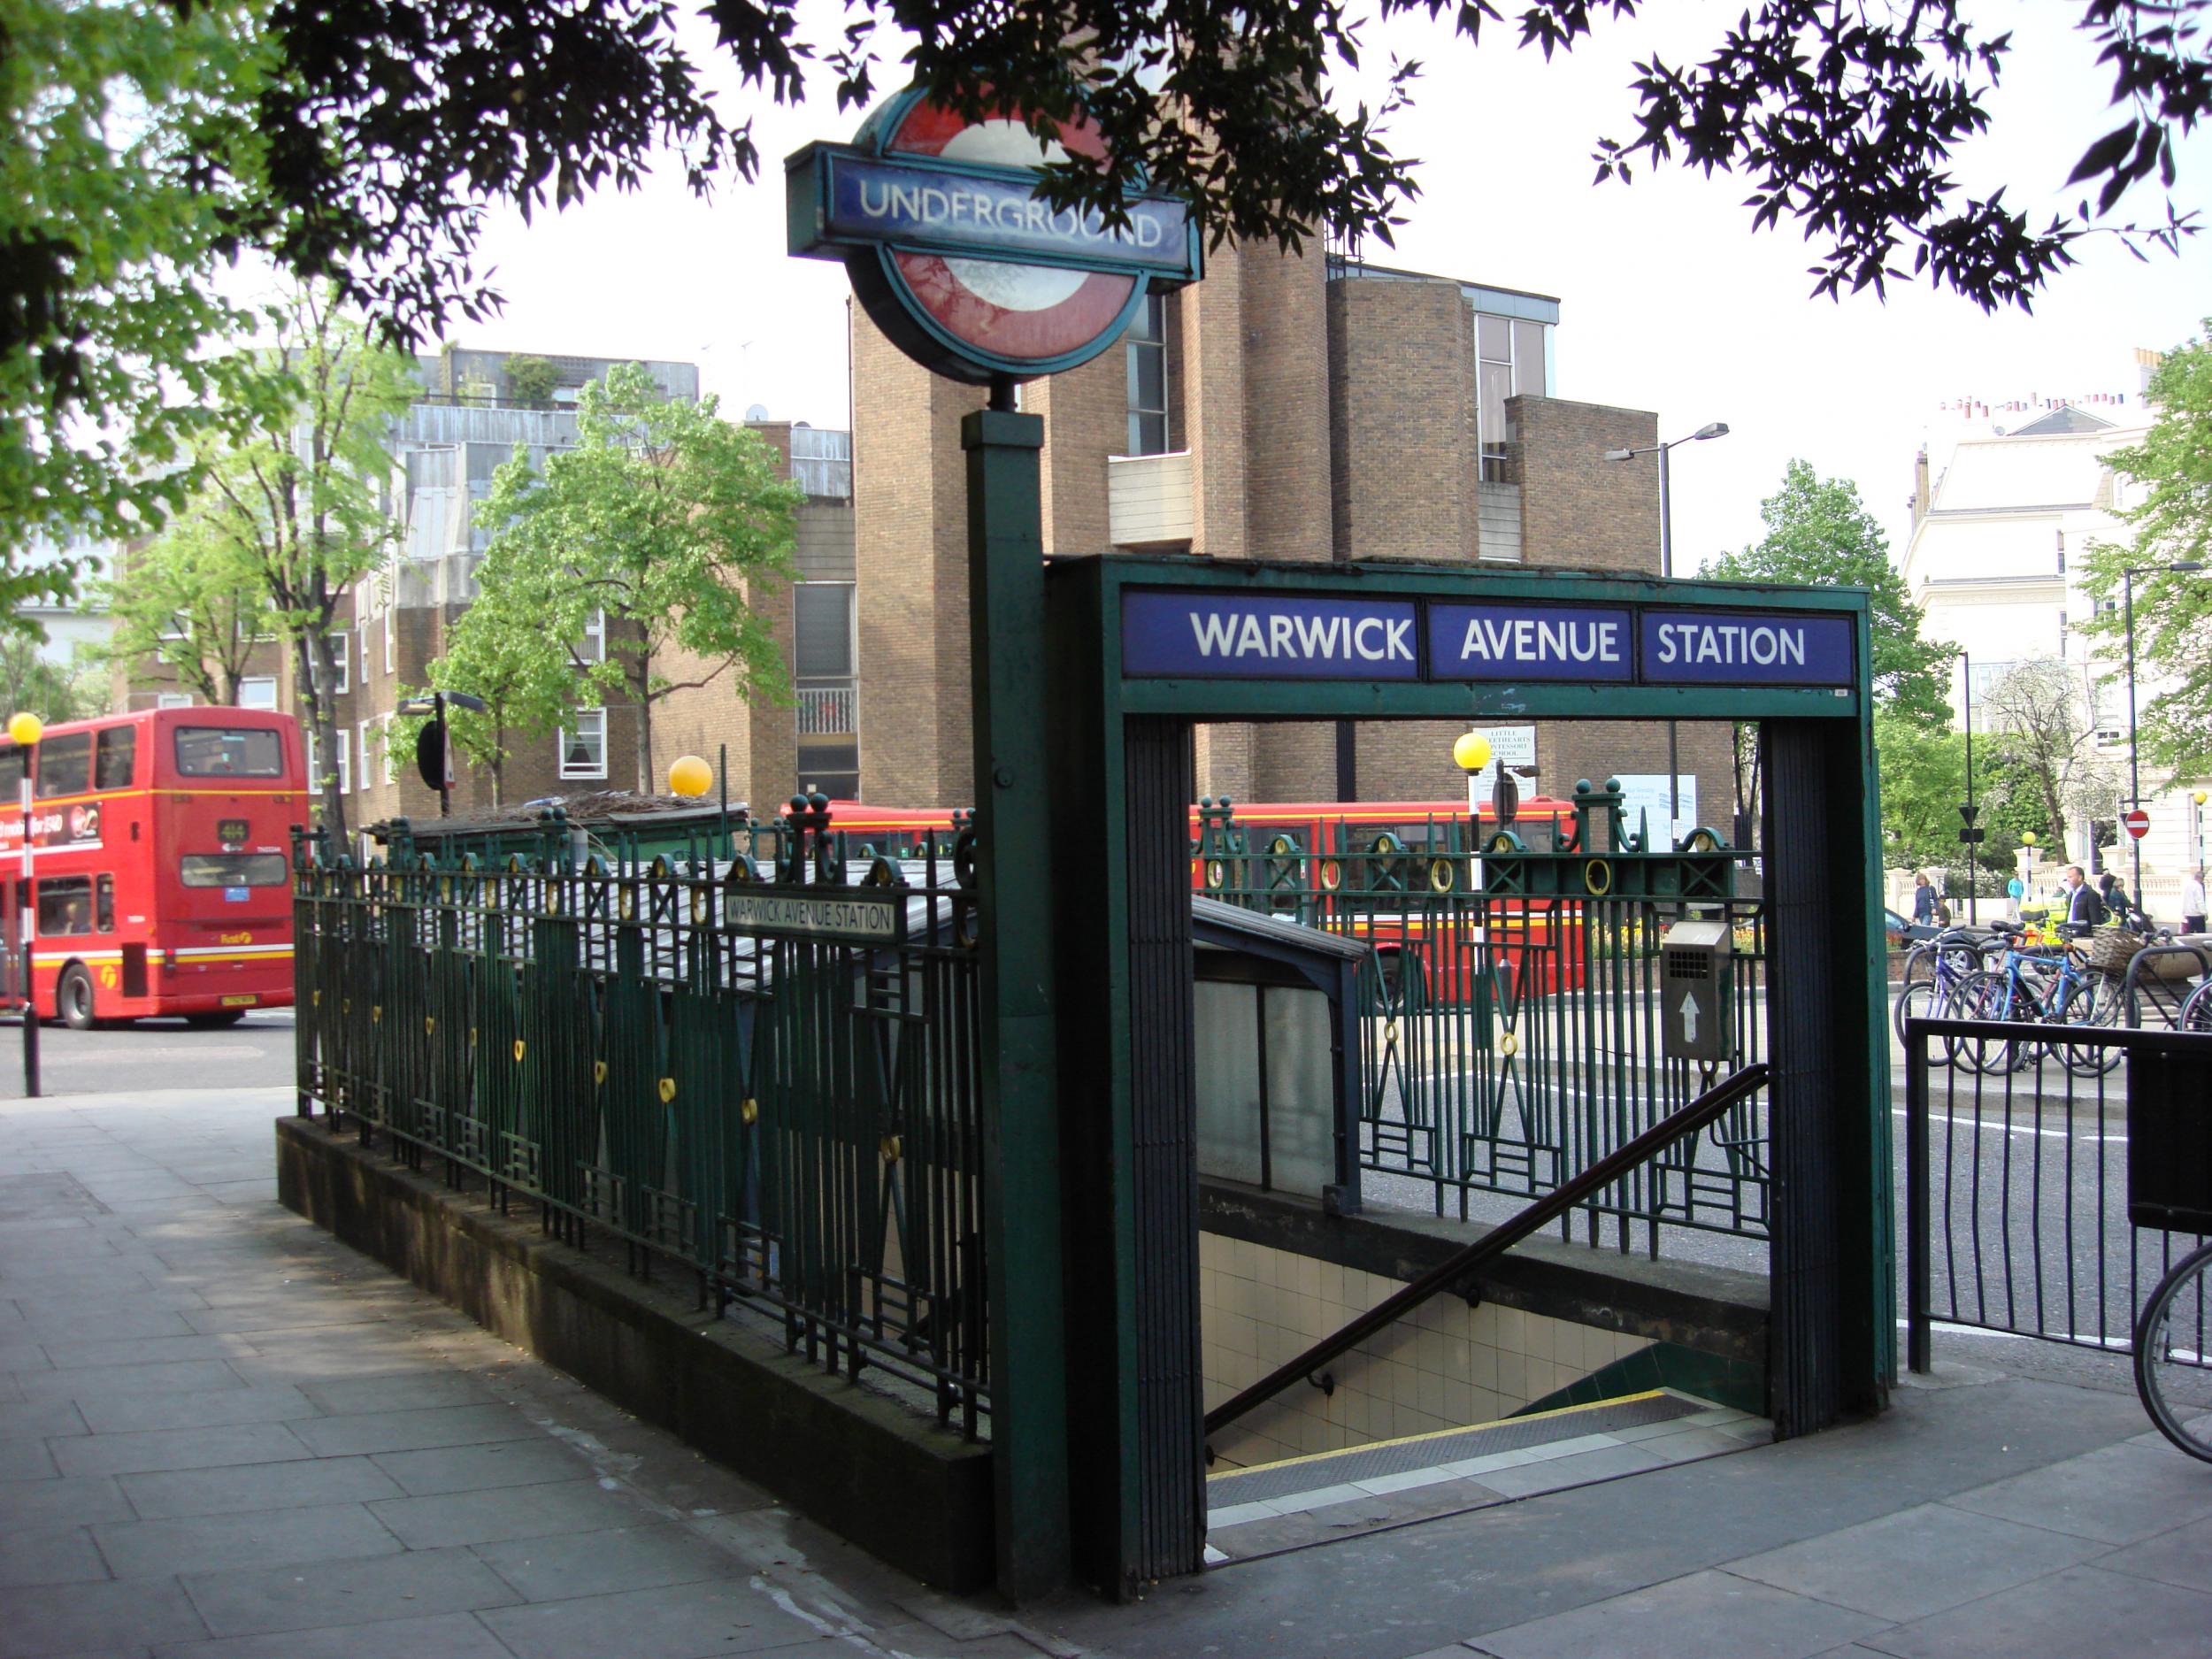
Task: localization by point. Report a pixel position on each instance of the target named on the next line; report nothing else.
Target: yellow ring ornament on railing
(668, 1090)
(1442, 875)
(890, 1148)
(552, 899)
(376, 1013)
(1279, 846)
(750, 1111)
(1597, 877)
(471, 1036)
(314, 998)
(598, 1071)
(1217, 873)
(627, 905)
(1702, 840)
(345, 1005)
(698, 905)
(1331, 875)
(429, 1024)
(1508, 1045)
(518, 1050)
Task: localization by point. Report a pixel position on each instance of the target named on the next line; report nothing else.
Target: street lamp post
(2135, 781)
(26, 730)
(1711, 429)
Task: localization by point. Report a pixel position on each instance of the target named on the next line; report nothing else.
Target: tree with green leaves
(665, 520)
(2038, 714)
(293, 490)
(192, 601)
(2169, 520)
(31, 682)
(124, 162)
(1820, 534)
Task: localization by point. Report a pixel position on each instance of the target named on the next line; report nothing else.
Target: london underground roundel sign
(954, 256)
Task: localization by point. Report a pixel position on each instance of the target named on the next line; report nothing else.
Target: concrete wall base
(859, 1463)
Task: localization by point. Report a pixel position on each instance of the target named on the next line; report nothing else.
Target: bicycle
(2196, 1013)
(2045, 988)
(1934, 971)
(2173, 1361)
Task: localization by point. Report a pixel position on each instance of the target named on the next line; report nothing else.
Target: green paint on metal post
(1019, 1098)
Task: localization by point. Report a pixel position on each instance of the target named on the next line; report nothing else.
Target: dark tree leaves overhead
(392, 122)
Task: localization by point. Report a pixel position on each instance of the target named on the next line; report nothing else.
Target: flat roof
(1497, 302)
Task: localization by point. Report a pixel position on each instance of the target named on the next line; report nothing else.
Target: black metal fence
(791, 1120)
(1511, 1039)
(2017, 1139)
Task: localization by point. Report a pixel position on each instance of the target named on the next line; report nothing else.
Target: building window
(584, 747)
(2061, 552)
(593, 648)
(340, 665)
(258, 691)
(1146, 344)
(342, 743)
(822, 654)
(388, 639)
(361, 635)
(384, 742)
(173, 700)
(1509, 353)
(362, 743)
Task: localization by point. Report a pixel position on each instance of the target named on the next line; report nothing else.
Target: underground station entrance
(1559, 1032)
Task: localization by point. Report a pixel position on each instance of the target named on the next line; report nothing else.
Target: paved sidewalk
(223, 1435)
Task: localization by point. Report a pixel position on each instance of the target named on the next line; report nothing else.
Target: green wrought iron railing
(790, 1120)
(1511, 1018)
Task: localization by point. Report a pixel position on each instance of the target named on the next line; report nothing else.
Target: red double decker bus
(161, 851)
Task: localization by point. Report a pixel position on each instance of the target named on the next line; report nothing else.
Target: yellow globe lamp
(1471, 752)
(2199, 796)
(690, 776)
(26, 729)
(2027, 838)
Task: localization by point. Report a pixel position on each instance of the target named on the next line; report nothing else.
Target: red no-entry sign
(2138, 822)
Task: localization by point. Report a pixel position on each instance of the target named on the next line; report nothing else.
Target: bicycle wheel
(1994, 997)
(2173, 1354)
(2092, 1002)
(1929, 999)
(2196, 1013)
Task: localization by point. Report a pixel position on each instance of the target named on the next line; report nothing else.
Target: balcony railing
(827, 710)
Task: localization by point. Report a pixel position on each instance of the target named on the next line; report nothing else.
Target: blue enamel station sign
(1189, 634)
(957, 259)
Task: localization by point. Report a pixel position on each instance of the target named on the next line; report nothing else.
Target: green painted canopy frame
(1118, 751)
(1086, 1073)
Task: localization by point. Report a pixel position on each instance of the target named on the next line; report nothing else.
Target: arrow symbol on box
(1689, 1017)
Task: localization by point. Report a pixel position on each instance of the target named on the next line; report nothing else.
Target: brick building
(1307, 408)
(469, 421)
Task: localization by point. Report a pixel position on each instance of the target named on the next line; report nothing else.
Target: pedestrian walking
(2015, 890)
(1923, 900)
(2193, 902)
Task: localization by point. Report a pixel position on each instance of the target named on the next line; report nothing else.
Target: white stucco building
(2001, 526)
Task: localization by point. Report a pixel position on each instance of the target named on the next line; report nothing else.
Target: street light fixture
(2135, 781)
(1711, 429)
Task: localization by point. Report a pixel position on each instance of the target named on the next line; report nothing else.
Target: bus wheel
(73, 997)
(213, 1018)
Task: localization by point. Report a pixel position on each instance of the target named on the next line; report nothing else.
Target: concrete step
(1305, 1500)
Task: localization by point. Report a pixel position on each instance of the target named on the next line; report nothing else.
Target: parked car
(1900, 934)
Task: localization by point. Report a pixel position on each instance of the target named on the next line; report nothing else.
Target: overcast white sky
(1668, 300)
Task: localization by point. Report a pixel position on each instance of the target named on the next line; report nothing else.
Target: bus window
(11, 773)
(232, 869)
(117, 756)
(217, 752)
(64, 767)
(64, 906)
(103, 904)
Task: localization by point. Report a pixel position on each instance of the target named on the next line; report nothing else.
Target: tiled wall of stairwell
(1449, 1366)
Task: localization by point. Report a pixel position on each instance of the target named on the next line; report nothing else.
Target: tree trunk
(642, 691)
(316, 668)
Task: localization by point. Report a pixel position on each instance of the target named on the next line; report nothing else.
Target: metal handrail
(1454, 1270)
